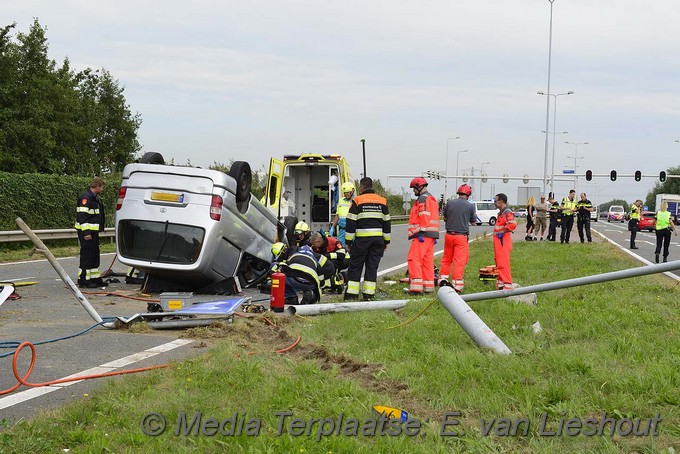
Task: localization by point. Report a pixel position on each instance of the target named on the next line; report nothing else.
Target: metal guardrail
(11, 236)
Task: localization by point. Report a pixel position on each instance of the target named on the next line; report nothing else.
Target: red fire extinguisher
(278, 291)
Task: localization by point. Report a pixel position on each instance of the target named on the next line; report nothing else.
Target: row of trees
(58, 121)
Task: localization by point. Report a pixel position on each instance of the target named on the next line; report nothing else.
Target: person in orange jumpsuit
(423, 231)
(459, 215)
(502, 241)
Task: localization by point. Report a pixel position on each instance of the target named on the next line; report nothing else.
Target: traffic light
(589, 175)
(612, 175)
(662, 176)
(638, 175)
(505, 178)
(525, 179)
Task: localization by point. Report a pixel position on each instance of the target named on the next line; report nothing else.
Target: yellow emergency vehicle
(306, 188)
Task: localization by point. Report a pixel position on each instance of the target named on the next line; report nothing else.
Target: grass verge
(606, 351)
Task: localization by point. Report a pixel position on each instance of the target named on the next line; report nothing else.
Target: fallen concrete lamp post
(576, 282)
(330, 308)
(482, 334)
(41, 248)
(470, 321)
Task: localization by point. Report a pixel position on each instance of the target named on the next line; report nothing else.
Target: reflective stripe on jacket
(89, 212)
(368, 216)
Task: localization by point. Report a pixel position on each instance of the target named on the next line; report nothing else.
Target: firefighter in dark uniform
(305, 272)
(583, 209)
(89, 222)
(334, 251)
(367, 234)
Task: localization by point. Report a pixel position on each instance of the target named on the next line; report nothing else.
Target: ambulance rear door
(272, 193)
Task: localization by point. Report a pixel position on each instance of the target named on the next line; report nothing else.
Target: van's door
(346, 172)
(272, 192)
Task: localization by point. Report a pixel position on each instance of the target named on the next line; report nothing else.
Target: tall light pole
(552, 173)
(575, 157)
(547, 106)
(446, 171)
(457, 157)
(481, 174)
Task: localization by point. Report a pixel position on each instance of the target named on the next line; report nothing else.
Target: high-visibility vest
(663, 220)
(569, 206)
(635, 212)
(343, 207)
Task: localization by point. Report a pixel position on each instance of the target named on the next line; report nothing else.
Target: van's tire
(152, 157)
(240, 171)
(492, 221)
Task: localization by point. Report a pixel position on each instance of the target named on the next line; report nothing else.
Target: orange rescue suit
(502, 246)
(423, 231)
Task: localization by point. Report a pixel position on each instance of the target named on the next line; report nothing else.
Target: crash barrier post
(470, 321)
(41, 248)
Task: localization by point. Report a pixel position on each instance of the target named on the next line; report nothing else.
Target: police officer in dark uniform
(89, 222)
(555, 217)
(583, 210)
(367, 233)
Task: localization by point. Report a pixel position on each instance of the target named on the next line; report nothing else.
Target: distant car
(616, 213)
(521, 213)
(594, 214)
(486, 212)
(647, 221)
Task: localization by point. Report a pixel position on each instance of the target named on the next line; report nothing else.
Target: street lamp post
(552, 173)
(457, 158)
(575, 157)
(547, 106)
(446, 171)
(481, 174)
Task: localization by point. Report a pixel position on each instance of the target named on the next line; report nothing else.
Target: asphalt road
(618, 234)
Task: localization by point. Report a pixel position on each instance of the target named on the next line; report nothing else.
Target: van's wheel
(492, 221)
(152, 158)
(240, 171)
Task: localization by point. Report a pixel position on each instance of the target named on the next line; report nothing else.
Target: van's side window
(273, 184)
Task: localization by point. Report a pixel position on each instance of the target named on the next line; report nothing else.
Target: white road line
(635, 256)
(32, 393)
(44, 260)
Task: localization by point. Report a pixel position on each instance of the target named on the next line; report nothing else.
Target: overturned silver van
(189, 228)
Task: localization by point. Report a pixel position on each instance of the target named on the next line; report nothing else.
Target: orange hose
(23, 380)
(290, 347)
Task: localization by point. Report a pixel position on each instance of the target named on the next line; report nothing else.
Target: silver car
(189, 228)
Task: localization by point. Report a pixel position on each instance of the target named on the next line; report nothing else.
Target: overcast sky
(216, 80)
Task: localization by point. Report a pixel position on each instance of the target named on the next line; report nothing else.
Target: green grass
(18, 252)
(604, 348)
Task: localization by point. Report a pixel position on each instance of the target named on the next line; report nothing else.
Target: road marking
(32, 393)
(45, 260)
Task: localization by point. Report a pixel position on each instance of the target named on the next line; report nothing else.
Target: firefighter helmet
(418, 182)
(464, 189)
(347, 187)
(301, 227)
(278, 249)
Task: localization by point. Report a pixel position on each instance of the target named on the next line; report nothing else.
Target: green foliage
(605, 206)
(49, 201)
(56, 121)
(670, 186)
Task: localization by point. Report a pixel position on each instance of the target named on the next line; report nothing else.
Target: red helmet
(465, 190)
(418, 182)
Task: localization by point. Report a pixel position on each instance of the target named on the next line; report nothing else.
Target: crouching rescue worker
(459, 215)
(89, 222)
(333, 250)
(368, 233)
(302, 233)
(423, 231)
(305, 272)
(502, 241)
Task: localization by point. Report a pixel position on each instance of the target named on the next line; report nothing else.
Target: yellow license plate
(167, 197)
